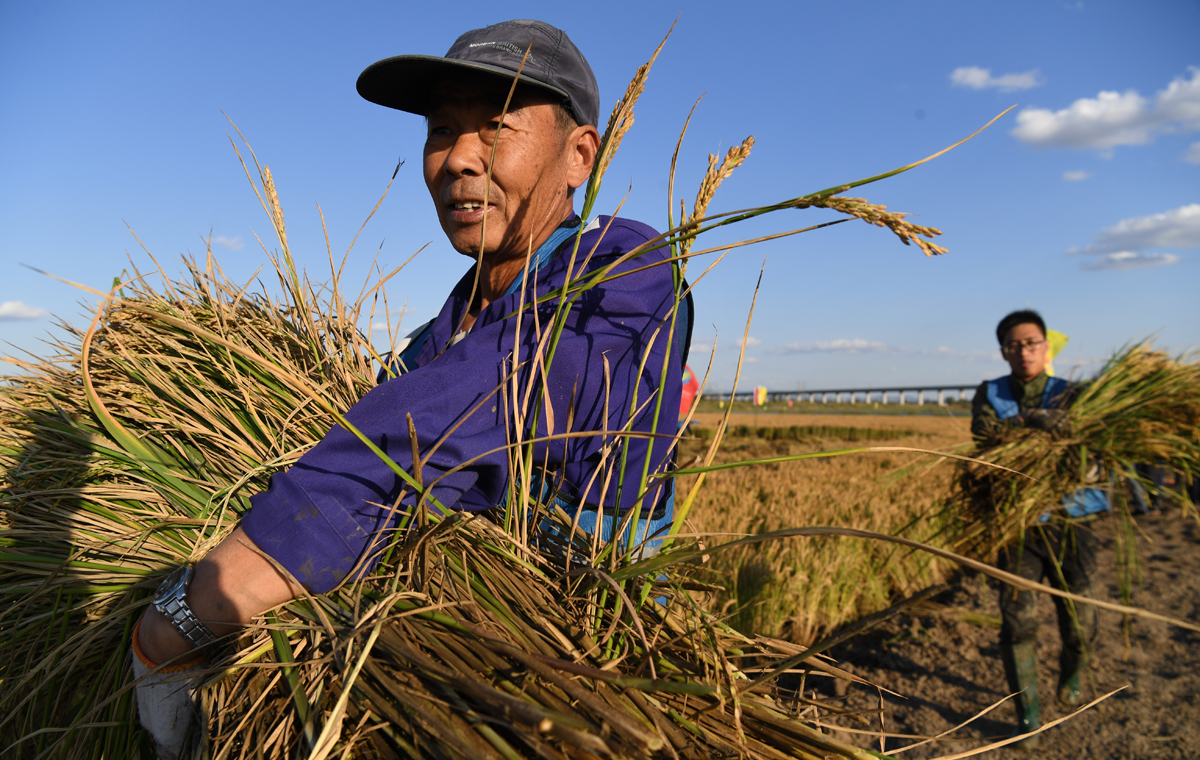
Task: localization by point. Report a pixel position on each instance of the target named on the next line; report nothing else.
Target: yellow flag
(1055, 341)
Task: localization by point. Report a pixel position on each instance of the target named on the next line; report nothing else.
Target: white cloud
(1177, 228)
(397, 321)
(700, 349)
(1193, 154)
(11, 311)
(1078, 176)
(1108, 120)
(945, 352)
(233, 244)
(751, 342)
(1111, 118)
(1122, 261)
(838, 346)
(980, 79)
(752, 360)
(1180, 102)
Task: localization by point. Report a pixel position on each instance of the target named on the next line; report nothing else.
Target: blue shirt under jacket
(318, 518)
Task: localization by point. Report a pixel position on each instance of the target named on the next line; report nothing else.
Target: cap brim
(407, 82)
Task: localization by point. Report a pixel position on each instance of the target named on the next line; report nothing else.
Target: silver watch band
(186, 622)
(171, 600)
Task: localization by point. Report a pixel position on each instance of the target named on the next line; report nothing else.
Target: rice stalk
(620, 121)
(133, 448)
(474, 655)
(878, 215)
(713, 177)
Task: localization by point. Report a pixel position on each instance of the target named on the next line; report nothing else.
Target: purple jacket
(317, 518)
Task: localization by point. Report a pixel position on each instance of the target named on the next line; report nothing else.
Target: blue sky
(1084, 202)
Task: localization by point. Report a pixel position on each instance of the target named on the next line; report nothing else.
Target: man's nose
(466, 157)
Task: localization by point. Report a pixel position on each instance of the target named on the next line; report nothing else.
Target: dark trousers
(1063, 557)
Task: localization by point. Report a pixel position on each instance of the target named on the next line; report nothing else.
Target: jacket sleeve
(330, 512)
(985, 423)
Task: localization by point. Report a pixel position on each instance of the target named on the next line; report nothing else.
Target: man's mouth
(468, 211)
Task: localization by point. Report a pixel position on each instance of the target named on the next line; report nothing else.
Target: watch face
(173, 584)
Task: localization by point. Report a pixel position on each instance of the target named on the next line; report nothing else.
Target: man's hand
(234, 583)
(165, 700)
(1053, 421)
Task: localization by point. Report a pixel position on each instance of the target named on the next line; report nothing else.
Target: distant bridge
(852, 395)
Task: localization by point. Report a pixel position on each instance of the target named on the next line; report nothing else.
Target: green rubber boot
(1022, 672)
(1069, 679)
(1069, 691)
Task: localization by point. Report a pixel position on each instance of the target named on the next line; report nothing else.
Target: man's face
(1024, 349)
(531, 173)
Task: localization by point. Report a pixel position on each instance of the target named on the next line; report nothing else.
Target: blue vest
(1085, 501)
(1000, 396)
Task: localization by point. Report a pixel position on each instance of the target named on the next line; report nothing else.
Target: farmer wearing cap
(1057, 550)
(321, 521)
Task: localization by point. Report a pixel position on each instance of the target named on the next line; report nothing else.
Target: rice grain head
(713, 178)
(878, 215)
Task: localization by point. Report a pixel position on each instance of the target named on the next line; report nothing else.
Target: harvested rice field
(801, 588)
(940, 660)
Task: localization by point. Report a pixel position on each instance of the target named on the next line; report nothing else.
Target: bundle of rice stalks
(136, 452)
(135, 449)
(1142, 407)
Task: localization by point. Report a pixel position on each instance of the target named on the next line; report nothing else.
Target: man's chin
(465, 241)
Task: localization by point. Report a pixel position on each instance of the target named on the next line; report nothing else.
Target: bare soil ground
(945, 659)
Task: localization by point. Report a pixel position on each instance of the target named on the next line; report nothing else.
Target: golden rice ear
(621, 118)
(713, 178)
(878, 215)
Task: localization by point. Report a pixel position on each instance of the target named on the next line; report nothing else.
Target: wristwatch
(171, 600)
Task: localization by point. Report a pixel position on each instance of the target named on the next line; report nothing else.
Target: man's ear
(582, 145)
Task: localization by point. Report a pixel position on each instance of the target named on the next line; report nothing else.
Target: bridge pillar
(851, 397)
(920, 398)
(941, 398)
(901, 397)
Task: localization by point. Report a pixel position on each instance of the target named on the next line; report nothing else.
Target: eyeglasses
(1017, 347)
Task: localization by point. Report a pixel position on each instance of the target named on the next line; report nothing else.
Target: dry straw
(135, 447)
(458, 642)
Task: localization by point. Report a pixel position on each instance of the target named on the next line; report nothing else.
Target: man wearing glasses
(1057, 550)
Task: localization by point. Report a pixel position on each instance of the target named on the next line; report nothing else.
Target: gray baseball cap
(406, 82)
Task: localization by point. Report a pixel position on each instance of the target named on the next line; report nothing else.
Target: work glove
(1053, 421)
(165, 700)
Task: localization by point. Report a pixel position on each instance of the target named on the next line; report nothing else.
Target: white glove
(165, 700)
